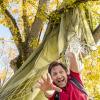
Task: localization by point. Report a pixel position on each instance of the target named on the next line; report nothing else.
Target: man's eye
(61, 72)
(54, 74)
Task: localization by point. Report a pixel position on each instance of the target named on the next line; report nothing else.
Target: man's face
(59, 76)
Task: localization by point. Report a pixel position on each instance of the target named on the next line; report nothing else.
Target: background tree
(27, 28)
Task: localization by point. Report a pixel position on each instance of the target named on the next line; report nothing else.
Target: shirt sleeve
(76, 75)
(52, 97)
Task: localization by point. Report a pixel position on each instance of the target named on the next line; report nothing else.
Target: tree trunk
(37, 25)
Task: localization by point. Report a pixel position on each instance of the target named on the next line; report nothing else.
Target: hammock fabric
(22, 86)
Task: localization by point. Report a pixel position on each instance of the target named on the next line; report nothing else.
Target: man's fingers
(49, 78)
(41, 81)
(43, 78)
(38, 85)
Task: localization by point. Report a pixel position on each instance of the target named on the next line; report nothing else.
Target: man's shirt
(71, 92)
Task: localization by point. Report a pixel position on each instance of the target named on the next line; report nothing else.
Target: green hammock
(22, 86)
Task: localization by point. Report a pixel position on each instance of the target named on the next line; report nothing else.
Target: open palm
(46, 84)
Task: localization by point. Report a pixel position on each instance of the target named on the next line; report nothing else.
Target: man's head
(58, 72)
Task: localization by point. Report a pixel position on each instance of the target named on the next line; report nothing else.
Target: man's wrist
(49, 93)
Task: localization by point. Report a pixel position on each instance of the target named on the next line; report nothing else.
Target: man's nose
(59, 75)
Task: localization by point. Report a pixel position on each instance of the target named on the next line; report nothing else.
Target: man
(63, 88)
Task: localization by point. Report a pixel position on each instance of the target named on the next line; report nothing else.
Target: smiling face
(59, 76)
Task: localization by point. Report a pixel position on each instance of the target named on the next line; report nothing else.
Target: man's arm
(73, 62)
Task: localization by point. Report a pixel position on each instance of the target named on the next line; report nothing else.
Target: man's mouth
(60, 81)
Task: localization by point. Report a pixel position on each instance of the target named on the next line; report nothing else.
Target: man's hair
(55, 63)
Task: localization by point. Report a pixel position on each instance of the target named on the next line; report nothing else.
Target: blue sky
(5, 45)
(6, 35)
(5, 32)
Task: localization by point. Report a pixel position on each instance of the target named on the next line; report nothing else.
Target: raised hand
(72, 57)
(45, 84)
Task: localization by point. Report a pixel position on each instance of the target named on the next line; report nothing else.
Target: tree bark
(26, 32)
(96, 34)
(35, 29)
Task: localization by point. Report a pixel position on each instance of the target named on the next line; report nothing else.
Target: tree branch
(37, 25)
(26, 30)
(61, 10)
(38, 20)
(15, 33)
(13, 27)
(96, 34)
